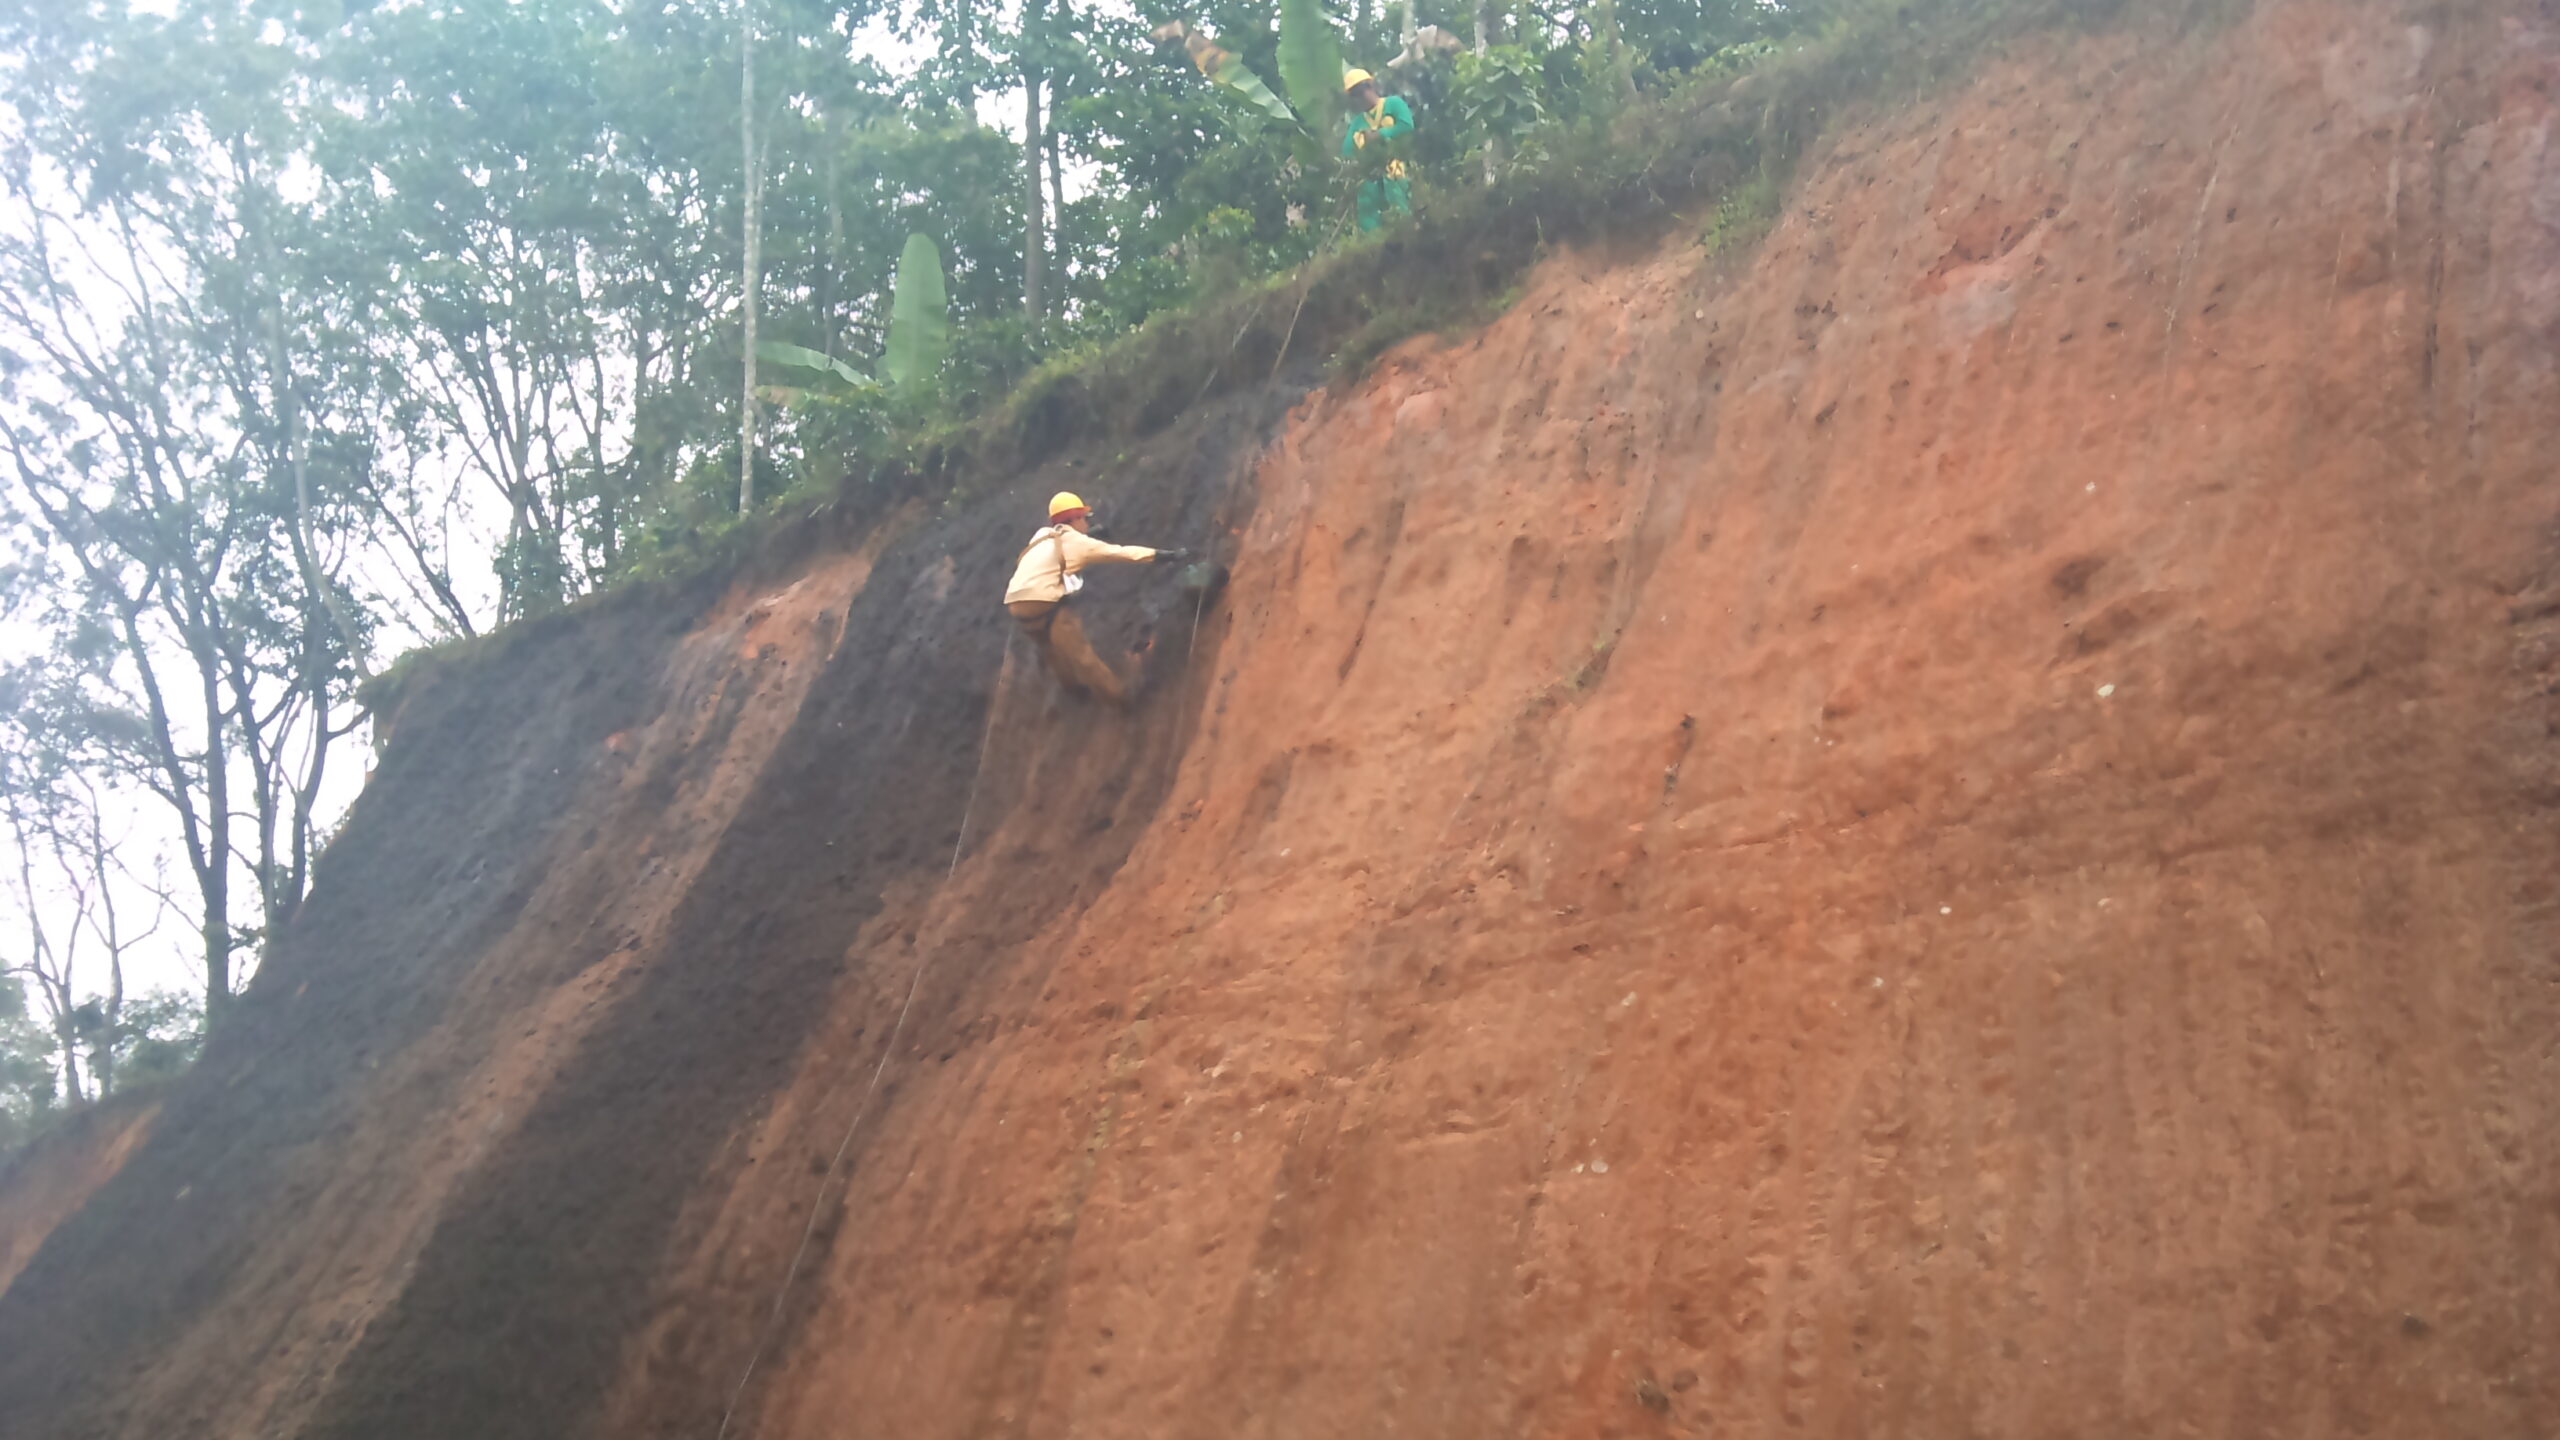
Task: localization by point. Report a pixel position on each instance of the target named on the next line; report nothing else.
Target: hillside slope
(1944, 827)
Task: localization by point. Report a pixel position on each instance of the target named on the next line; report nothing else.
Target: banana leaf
(802, 357)
(1232, 74)
(919, 319)
(1311, 65)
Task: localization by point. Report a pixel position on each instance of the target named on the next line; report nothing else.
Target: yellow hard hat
(1066, 502)
(1354, 79)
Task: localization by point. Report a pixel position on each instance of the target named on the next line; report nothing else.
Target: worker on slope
(1385, 121)
(1046, 577)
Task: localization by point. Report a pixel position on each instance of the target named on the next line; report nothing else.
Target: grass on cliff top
(1731, 140)
(1727, 146)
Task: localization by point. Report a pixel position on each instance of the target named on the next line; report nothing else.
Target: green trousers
(1378, 197)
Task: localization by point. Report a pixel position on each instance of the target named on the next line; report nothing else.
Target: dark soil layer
(55, 1173)
(439, 858)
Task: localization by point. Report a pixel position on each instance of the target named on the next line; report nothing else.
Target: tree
(161, 1034)
(1034, 41)
(27, 1093)
(71, 888)
(124, 486)
(467, 158)
(158, 436)
(48, 954)
(753, 233)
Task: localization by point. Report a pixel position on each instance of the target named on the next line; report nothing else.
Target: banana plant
(919, 333)
(919, 320)
(804, 358)
(1233, 74)
(1311, 66)
(1220, 64)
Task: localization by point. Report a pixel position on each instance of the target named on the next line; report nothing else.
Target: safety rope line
(1307, 285)
(1199, 607)
(862, 1112)
(1323, 248)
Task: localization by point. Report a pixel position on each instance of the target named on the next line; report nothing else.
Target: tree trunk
(643, 462)
(49, 967)
(317, 583)
(1622, 73)
(68, 1037)
(1034, 231)
(830, 332)
(1057, 199)
(754, 242)
(296, 882)
(294, 447)
(605, 498)
(102, 1061)
(1484, 42)
(213, 876)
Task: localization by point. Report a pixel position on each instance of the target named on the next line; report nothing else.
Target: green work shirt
(1392, 121)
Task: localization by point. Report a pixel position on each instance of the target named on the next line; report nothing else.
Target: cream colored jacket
(1051, 560)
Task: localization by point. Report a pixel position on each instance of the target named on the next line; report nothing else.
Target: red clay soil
(57, 1173)
(1942, 828)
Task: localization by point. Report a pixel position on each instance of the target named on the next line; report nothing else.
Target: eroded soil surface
(1940, 826)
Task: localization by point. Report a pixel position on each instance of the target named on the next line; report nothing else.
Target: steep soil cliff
(1943, 827)
(57, 1173)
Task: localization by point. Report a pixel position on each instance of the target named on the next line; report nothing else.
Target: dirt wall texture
(55, 1174)
(1940, 826)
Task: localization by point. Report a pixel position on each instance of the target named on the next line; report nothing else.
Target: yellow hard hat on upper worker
(1066, 502)
(1354, 79)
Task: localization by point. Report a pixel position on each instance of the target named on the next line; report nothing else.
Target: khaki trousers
(1064, 649)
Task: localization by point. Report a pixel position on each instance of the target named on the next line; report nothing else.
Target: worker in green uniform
(1386, 121)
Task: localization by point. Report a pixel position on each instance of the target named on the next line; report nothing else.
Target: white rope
(1192, 646)
(773, 1320)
